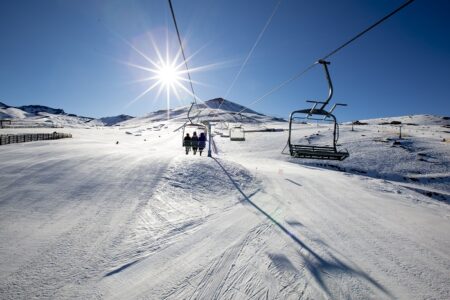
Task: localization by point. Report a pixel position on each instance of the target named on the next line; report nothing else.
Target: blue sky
(75, 55)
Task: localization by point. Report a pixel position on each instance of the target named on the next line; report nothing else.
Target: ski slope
(87, 218)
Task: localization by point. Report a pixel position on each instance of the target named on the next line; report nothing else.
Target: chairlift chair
(320, 114)
(225, 133)
(191, 127)
(194, 127)
(222, 128)
(237, 133)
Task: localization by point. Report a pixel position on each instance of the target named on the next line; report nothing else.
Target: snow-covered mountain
(216, 110)
(110, 121)
(44, 116)
(37, 109)
(412, 120)
(28, 110)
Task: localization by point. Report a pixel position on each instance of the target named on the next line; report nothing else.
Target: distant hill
(410, 120)
(110, 121)
(44, 116)
(36, 109)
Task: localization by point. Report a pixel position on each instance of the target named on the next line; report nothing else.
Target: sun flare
(168, 74)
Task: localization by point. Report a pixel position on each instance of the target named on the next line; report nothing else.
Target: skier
(201, 142)
(194, 142)
(187, 143)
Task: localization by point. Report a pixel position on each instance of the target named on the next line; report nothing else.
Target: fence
(30, 137)
(21, 126)
(3, 124)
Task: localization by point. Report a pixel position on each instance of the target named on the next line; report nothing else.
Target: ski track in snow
(85, 218)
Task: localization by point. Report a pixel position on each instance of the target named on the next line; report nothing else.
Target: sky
(91, 57)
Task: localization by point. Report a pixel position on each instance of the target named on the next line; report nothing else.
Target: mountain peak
(228, 106)
(3, 105)
(36, 109)
(110, 121)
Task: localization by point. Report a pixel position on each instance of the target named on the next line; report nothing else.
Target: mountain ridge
(215, 110)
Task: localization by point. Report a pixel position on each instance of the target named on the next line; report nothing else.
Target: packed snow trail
(64, 208)
(86, 218)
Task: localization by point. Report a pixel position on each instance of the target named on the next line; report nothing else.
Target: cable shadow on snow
(319, 267)
(292, 181)
(120, 269)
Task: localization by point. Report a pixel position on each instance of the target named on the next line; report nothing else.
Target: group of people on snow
(197, 143)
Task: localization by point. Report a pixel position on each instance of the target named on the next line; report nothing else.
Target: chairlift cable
(368, 29)
(278, 87)
(299, 74)
(185, 63)
(253, 47)
(250, 53)
(182, 50)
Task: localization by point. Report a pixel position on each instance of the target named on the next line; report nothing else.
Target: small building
(4, 121)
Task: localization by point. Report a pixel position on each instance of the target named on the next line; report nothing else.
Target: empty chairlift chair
(223, 129)
(317, 113)
(237, 133)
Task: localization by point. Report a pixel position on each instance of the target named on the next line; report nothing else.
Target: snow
(109, 121)
(87, 218)
(11, 113)
(214, 110)
(37, 109)
(413, 120)
(44, 116)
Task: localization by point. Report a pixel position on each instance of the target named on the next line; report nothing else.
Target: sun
(168, 74)
(165, 74)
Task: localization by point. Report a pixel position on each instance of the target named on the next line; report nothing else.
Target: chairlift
(309, 151)
(222, 125)
(225, 133)
(237, 133)
(193, 127)
(222, 129)
(190, 127)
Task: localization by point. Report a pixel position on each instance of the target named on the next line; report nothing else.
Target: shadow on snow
(317, 266)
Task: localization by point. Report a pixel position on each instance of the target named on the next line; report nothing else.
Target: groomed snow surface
(88, 218)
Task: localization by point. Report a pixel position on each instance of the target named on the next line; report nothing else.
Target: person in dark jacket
(201, 142)
(194, 142)
(187, 143)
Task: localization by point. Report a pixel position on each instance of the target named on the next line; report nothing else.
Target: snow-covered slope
(8, 112)
(112, 215)
(412, 120)
(421, 155)
(12, 113)
(41, 116)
